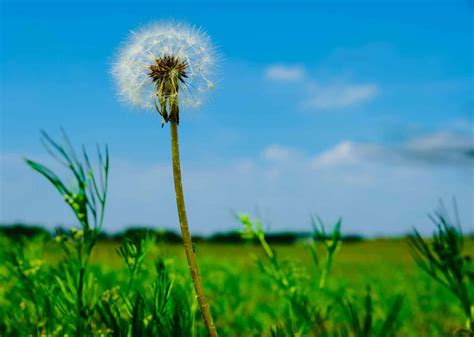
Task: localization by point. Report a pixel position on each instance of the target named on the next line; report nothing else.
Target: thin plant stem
(132, 277)
(325, 272)
(188, 246)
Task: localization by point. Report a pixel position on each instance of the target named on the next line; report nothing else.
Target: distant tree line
(18, 231)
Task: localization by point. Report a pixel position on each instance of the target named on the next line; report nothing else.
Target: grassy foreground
(244, 300)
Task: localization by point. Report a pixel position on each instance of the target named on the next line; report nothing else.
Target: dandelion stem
(188, 246)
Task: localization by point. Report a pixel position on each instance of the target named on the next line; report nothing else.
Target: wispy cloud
(317, 94)
(340, 95)
(285, 73)
(278, 153)
(438, 148)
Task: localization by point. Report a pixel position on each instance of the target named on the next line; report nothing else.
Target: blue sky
(359, 110)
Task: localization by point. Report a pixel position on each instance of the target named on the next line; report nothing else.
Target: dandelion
(160, 55)
(162, 67)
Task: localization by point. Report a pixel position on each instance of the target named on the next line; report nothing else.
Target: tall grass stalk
(444, 259)
(86, 197)
(331, 243)
(304, 317)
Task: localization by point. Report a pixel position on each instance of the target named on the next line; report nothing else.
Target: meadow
(244, 291)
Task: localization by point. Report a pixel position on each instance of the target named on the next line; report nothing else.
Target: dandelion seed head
(188, 44)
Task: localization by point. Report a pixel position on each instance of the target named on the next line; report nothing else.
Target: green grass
(246, 303)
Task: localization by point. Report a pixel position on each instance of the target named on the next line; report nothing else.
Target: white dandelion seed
(154, 42)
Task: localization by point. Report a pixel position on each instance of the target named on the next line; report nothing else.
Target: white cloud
(285, 73)
(339, 96)
(344, 152)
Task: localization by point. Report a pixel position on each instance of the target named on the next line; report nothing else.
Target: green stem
(130, 282)
(265, 246)
(325, 272)
(80, 306)
(188, 246)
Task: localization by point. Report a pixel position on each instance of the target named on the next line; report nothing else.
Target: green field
(245, 301)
